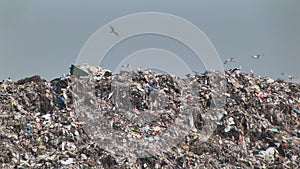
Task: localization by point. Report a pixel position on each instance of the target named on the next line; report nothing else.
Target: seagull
(126, 65)
(229, 60)
(256, 56)
(112, 30)
(291, 77)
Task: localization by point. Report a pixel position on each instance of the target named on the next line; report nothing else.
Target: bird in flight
(256, 56)
(291, 77)
(126, 66)
(112, 30)
(229, 60)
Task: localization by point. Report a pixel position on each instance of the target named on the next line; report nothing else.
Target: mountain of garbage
(41, 124)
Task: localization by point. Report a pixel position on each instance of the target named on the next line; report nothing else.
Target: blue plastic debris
(150, 89)
(60, 100)
(296, 110)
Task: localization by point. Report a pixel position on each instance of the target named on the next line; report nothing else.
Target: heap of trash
(72, 121)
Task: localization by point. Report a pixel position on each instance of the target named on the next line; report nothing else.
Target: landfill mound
(41, 125)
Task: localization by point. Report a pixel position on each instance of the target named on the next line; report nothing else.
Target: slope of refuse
(41, 124)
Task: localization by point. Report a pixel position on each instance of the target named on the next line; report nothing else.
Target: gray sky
(45, 37)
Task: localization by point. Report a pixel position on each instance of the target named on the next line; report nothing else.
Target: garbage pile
(48, 124)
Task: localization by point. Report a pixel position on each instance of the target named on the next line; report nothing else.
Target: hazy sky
(45, 37)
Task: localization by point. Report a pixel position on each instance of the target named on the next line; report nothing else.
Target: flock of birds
(231, 59)
(258, 56)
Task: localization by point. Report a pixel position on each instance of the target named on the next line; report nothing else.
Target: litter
(40, 126)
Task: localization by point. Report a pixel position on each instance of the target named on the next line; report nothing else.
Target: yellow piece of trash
(138, 136)
(185, 147)
(38, 139)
